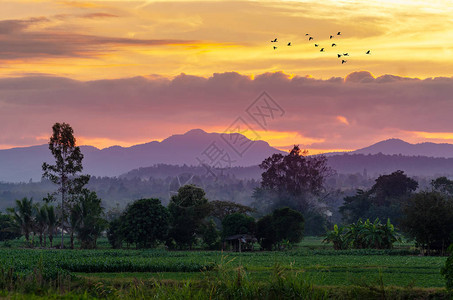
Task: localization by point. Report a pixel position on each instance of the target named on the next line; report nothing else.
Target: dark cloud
(18, 43)
(99, 15)
(145, 108)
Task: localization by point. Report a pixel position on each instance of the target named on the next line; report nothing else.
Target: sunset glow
(137, 71)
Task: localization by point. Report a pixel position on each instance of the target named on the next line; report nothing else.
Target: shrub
(447, 271)
(363, 235)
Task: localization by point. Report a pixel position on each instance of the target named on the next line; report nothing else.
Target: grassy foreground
(311, 271)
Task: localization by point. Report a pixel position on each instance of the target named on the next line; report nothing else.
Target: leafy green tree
(265, 232)
(116, 233)
(89, 223)
(22, 216)
(145, 222)
(284, 224)
(384, 200)
(428, 217)
(221, 209)
(68, 163)
(292, 179)
(211, 235)
(443, 185)
(188, 209)
(238, 224)
(288, 224)
(7, 231)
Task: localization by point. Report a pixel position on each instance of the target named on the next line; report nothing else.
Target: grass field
(311, 262)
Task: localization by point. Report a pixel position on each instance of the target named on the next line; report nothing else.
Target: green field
(311, 262)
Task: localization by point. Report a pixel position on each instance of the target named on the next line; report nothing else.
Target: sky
(129, 72)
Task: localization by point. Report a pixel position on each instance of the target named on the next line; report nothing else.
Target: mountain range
(216, 150)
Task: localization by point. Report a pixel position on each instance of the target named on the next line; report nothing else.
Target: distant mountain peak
(397, 146)
(196, 131)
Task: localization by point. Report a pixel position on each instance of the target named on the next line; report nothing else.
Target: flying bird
(339, 55)
(307, 34)
(310, 38)
(343, 61)
(274, 41)
(339, 33)
(275, 47)
(316, 45)
(322, 50)
(289, 44)
(331, 36)
(368, 52)
(346, 54)
(333, 45)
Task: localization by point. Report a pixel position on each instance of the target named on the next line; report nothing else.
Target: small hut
(240, 242)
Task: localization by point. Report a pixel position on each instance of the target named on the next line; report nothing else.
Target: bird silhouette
(331, 36)
(289, 44)
(339, 33)
(322, 50)
(333, 45)
(307, 34)
(339, 55)
(274, 41)
(368, 52)
(345, 54)
(316, 45)
(343, 61)
(310, 38)
(275, 47)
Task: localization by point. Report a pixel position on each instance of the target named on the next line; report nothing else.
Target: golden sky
(114, 39)
(88, 42)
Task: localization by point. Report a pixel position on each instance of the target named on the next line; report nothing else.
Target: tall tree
(68, 163)
(294, 177)
(188, 209)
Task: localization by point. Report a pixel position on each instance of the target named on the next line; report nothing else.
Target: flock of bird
(311, 38)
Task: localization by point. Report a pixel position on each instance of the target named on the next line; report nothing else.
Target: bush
(363, 235)
(447, 271)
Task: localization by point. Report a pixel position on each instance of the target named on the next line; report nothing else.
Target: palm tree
(41, 220)
(23, 217)
(52, 222)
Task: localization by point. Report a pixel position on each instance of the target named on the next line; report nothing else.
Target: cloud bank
(337, 113)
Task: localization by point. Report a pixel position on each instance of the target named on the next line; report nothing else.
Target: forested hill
(378, 164)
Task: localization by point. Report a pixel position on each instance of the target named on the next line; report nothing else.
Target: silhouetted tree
(221, 209)
(238, 224)
(384, 200)
(188, 209)
(428, 217)
(68, 163)
(293, 178)
(284, 224)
